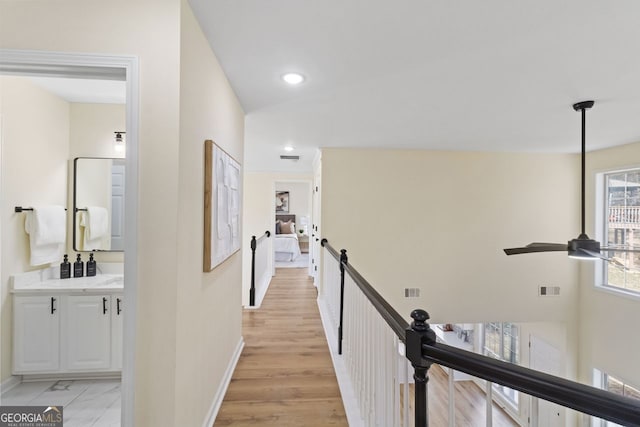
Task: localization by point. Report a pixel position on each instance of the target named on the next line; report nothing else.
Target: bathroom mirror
(98, 204)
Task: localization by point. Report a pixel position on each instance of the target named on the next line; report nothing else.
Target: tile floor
(94, 403)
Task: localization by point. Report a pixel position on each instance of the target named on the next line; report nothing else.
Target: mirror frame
(75, 205)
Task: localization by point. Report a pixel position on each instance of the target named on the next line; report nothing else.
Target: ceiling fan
(581, 247)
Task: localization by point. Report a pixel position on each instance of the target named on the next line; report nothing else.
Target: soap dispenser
(78, 267)
(65, 268)
(91, 266)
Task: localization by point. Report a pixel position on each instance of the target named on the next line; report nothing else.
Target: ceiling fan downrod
(582, 107)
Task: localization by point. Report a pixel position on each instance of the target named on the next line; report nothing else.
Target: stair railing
(254, 246)
(358, 341)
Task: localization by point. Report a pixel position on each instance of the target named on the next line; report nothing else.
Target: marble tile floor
(94, 403)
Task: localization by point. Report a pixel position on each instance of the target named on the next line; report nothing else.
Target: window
(621, 228)
(500, 341)
(614, 385)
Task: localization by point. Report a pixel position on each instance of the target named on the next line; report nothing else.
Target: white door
(117, 310)
(117, 206)
(546, 358)
(87, 322)
(314, 234)
(36, 334)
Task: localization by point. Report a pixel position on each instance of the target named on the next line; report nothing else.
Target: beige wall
(35, 149)
(149, 30)
(299, 197)
(209, 312)
(608, 322)
(439, 221)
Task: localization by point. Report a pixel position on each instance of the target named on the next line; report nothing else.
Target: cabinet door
(117, 312)
(36, 334)
(87, 329)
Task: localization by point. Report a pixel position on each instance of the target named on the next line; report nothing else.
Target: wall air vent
(411, 292)
(284, 157)
(547, 291)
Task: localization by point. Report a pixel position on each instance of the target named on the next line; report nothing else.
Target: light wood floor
(285, 376)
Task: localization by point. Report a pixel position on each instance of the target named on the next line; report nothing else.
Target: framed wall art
(222, 187)
(282, 202)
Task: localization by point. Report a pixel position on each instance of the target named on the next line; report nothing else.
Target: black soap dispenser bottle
(78, 267)
(65, 268)
(91, 266)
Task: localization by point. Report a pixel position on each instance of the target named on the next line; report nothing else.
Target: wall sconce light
(119, 143)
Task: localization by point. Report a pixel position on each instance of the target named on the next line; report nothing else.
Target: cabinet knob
(104, 305)
(118, 301)
(53, 305)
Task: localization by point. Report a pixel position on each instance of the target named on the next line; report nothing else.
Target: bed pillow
(287, 227)
(278, 229)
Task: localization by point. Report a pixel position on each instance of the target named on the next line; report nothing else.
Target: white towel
(46, 226)
(96, 225)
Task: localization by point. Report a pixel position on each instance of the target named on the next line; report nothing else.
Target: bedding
(285, 242)
(286, 247)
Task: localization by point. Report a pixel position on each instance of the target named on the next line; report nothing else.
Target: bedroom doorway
(293, 218)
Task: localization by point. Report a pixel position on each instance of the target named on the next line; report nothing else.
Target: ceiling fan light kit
(581, 247)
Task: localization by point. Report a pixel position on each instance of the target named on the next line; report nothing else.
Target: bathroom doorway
(97, 67)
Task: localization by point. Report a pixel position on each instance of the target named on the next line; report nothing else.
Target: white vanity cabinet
(36, 338)
(71, 326)
(86, 322)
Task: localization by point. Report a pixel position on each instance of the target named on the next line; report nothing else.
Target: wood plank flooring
(284, 376)
(470, 403)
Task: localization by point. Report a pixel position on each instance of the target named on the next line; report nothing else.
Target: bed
(285, 242)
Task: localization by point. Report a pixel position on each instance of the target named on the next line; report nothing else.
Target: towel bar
(20, 209)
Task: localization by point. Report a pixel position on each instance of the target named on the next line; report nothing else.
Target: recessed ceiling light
(288, 148)
(293, 78)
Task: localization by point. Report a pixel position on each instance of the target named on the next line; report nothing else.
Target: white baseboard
(349, 400)
(224, 385)
(10, 383)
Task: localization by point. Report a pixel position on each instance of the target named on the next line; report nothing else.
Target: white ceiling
(84, 90)
(495, 75)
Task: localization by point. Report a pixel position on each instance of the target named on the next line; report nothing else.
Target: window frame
(512, 401)
(601, 279)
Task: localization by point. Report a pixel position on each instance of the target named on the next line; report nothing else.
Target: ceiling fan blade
(537, 247)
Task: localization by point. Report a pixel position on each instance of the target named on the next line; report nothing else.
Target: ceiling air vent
(284, 157)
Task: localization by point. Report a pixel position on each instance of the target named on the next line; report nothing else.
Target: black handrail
(581, 397)
(254, 245)
(422, 350)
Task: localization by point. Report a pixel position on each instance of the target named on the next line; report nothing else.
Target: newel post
(417, 334)
(252, 291)
(343, 260)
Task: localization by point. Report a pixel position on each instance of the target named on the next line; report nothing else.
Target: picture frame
(222, 198)
(282, 202)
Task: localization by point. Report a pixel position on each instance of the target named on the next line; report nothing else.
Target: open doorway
(43, 66)
(293, 221)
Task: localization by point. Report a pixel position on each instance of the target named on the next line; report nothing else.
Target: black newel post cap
(417, 334)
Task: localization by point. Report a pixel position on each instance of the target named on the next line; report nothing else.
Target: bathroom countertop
(95, 284)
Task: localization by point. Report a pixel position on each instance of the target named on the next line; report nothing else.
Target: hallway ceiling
(495, 75)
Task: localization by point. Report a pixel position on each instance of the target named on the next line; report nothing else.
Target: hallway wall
(439, 221)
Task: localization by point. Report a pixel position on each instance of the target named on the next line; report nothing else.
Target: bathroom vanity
(67, 327)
